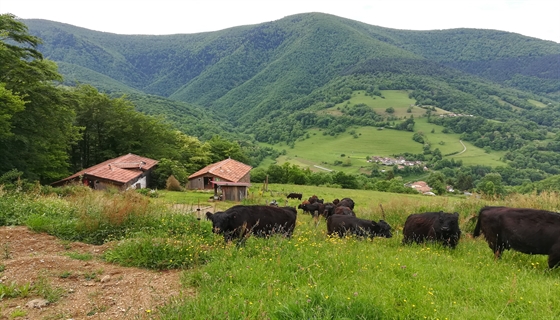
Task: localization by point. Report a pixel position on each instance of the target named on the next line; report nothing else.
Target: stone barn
(230, 179)
(129, 171)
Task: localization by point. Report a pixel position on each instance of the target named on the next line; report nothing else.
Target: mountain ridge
(247, 73)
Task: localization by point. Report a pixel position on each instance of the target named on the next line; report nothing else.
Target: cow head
(448, 222)
(220, 221)
(382, 229)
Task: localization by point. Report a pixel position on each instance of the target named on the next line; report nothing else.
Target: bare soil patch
(91, 289)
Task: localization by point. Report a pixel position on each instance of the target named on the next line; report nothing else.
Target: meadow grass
(312, 275)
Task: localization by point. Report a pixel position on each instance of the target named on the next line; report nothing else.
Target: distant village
(399, 161)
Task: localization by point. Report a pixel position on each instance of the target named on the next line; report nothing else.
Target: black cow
(530, 231)
(240, 220)
(314, 199)
(344, 225)
(311, 208)
(329, 209)
(294, 196)
(344, 211)
(432, 226)
(346, 202)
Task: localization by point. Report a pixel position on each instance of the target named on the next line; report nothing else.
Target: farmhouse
(421, 187)
(229, 179)
(129, 171)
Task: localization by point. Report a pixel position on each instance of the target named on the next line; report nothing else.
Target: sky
(534, 18)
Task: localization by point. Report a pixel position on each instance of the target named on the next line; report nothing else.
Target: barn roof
(227, 169)
(121, 170)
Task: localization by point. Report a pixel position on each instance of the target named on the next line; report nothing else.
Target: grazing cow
(432, 226)
(329, 209)
(303, 206)
(346, 202)
(344, 211)
(240, 220)
(294, 196)
(344, 225)
(314, 199)
(530, 231)
(312, 207)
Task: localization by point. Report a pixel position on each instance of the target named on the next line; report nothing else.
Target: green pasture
(449, 142)
(310, 275)
(397, 99)
(314, 276)
(536, 103)
(505, 103)
(323, 150)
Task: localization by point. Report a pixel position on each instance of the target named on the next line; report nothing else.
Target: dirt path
(91, 289)
(464, 147)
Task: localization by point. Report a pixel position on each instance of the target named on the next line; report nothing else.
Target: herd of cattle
(530, 231)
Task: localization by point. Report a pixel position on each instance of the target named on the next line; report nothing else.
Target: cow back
(531, 231)
(432, 226)
(259, 220)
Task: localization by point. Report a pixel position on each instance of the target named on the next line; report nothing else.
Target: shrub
(173, 184)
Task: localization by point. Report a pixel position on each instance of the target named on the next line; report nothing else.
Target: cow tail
(476, 232)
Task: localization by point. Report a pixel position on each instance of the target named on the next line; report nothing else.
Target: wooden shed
(228, 178)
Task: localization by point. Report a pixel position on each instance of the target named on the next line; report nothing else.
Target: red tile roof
(227, 169)
(122, 169)
(421, 186)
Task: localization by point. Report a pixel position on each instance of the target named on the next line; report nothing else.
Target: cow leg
(554, 256)
(498, 247)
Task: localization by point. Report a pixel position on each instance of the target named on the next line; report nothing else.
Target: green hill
(313, 74)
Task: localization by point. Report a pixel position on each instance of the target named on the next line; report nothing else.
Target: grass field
(313, 276)
(310, 275)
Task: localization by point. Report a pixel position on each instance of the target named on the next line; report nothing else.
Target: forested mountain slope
(304, 50)
(277, 72)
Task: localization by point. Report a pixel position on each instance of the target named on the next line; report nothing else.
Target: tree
(491, 185)
(112, 127)
(346, 181)
(11, 104)
(436, 180)
(221, 149)
(390, 110)
(169, 168)
(40, 132)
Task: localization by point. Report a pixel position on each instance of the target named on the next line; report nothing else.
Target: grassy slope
(324, 150)
(312, 276)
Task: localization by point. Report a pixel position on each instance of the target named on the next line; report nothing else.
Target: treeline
(292, 174)
(451, 177)
(48, 131)
(526, 142)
